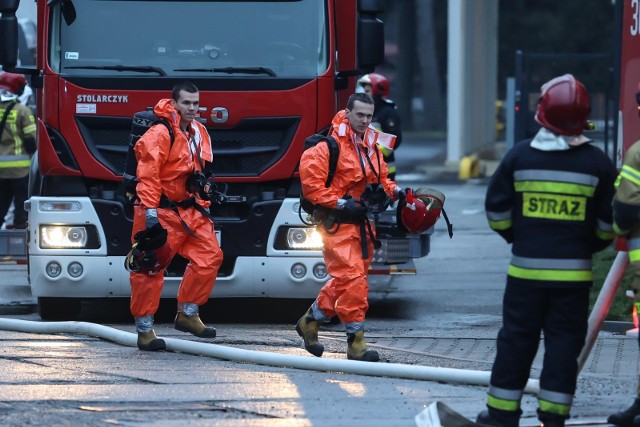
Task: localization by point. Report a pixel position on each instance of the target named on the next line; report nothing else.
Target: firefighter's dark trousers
(561, 314)
(14, 190)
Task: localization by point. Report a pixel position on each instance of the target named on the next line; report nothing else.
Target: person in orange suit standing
(360, 178)
(174, 191)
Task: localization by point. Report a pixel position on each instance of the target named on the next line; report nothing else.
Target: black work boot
(148, 341)
(358, 350)
(627, 417)
(194, 325)
(499, 419)
(307, 327)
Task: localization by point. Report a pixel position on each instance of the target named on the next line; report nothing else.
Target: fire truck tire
(59, 309)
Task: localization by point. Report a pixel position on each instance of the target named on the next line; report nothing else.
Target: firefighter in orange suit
(626, 216)
(172, 193)
(360, 177)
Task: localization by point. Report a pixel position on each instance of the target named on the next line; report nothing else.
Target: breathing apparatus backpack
(334, 153)
(142, 122)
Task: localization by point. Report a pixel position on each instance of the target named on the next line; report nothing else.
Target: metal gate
(595, 71)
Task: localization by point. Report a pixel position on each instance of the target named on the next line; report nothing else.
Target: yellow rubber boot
(307, 327)
(358, 348)
(148, 341)
(193, 325)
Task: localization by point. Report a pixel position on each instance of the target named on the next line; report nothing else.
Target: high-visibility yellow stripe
(12, 117)
(385, 151)
(605, 235)
(634, 255)
(555, 187)
(627, 172)
(554, 275)
(29, 129)
(554, 408)
(500, 225)
(15, 164)
(503, 404)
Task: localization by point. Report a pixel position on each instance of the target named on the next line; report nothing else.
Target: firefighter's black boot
(307, 327)
(148, 341)
(627, 417)
(358, 348)
(194, 325)
(498, 418)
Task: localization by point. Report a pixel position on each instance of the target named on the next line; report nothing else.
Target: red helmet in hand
(421, 209)
(151, 253)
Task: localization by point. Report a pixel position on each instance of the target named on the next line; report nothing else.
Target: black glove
(402, 194)
(354, 208)
(200, 184)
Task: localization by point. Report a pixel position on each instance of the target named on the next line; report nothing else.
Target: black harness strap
(6, 116)
(187, 203)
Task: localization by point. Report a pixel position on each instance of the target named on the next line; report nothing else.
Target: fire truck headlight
(62, 237)
(304, 238)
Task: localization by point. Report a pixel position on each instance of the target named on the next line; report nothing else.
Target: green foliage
(622, 305)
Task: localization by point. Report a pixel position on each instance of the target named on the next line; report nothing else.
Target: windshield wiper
(233, 70)
(138, 68)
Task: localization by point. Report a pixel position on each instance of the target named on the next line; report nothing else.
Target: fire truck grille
(246, 150)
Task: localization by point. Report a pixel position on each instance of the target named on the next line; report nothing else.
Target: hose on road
(395, 370)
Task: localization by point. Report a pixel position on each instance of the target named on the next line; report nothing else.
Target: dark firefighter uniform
(387, 119)
(555, 207)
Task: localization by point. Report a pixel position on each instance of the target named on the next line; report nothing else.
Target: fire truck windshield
(282, 39)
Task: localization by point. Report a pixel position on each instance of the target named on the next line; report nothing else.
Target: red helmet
(14, 83)
(379, 85)
(421, 210)
(150, 254)
(564, 106)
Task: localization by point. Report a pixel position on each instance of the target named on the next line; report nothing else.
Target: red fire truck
(270, 73)
(628, 122)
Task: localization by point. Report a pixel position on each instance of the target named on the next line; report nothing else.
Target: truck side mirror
(9, 33)
(370, 34)
(370, 42)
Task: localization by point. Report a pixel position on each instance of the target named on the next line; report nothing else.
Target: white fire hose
(603, 304)
(217, 351)
(395, 370)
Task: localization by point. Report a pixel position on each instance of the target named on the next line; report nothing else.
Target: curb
(617, 327)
